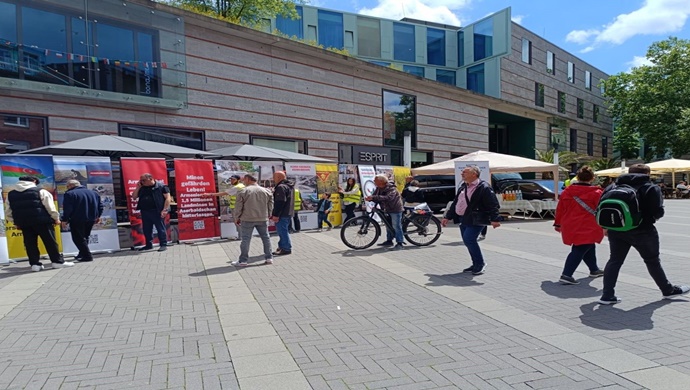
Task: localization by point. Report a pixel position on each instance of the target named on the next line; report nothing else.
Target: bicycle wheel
(428, 231)
(360, 232)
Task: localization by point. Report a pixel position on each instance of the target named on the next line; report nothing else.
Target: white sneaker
(36, 268)
(63, 265)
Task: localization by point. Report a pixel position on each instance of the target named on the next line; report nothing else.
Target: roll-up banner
(197, 217)
(327, 181)
(304, 177)
(4, 256)
(367, 173)
(132, 169)
(13, 167)
(94, 173)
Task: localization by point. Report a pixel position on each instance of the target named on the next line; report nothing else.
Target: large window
(604, 146)
(573, 140)
(483, 39)
(446, 76)
(291, 27)
(399, 116)
(461, 48)
(403, 42)
(369, 37)
(8, 33)
(21, 132)
(415, 70)
(475, 78)
(561, 102)
(580, 108)
(588, 80)
(193, 139)
(571, 72)
(539, 95)
(526, 51)
(550, 62)
(289, 145)
(595, 113)
(436, 47)
(590, 144)
(331, 32)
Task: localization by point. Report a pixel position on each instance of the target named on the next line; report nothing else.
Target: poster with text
(483, 167)
(13, 167)
(327, 181)
(4, 256)
(386, 170)
(304, 177)
(132, 169)
(367, 173)
(225, 169)
(400, 173)
(197, 217)
(346, 171)
(94, 173)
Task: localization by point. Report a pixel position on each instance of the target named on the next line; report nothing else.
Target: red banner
(132, 169)
(197, 216)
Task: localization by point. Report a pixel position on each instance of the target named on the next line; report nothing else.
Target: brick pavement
(329, 318)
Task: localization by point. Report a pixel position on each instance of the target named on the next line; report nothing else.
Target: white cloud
(517, 18)
(655, 17)
(439, 11)
(638, 61)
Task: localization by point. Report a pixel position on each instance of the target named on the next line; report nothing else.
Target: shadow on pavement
(377, 251)
(612, 318)
(14, 270)
(458, 279)
(565, 291)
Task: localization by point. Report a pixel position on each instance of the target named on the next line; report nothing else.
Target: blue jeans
(396, 221)
(283, 228)
(150, 218)
(323, 217)
(578, 253)
(246, 230)
(469, 234)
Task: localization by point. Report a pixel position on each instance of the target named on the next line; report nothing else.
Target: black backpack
(619, 208)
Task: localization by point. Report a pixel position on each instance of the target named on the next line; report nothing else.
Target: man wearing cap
(235, 186)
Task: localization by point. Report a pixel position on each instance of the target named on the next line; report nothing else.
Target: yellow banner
(327, 181)
(400, 173)
(15, 241)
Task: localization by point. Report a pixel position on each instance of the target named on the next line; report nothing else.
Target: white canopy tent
(612, 172)
(497, 163)
(671, 166)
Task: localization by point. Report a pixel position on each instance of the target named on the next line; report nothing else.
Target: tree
(246, 12)
(652, 101)
(565, 160)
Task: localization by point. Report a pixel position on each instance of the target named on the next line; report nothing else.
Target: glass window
(483, 39)
(580, 108)
(46, 61)
(475, 78)
(595, 113)
(550, 62)
(369, 37)
(8, 22)
(446, 76)
(186, 138)
(403, 42)
(526, 51)
(590, 144)
(289, 145)
(461, 48)
(18, 121)
(561, 102)
(311, 33)
(539, 95)
(602, 87)
(381, 63)
(588, 80)
(604, 146)
(9, 53)
(571, 72)
(436, 47)
(573, 140)
(116, 43)
(22, 132)
(331, 29)
(291, 27)
(415, 70)
(349, 39)
(399, 116)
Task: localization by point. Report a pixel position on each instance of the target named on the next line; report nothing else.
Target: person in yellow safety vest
(297, 226)
(352, 197)
(235, 186)
(571, 180)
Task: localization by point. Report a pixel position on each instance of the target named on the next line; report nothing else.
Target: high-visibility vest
(354, 197)
(233, 198)
(298, 200)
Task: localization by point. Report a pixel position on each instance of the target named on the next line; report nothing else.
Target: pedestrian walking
(352, 197)
(283, 210)
(153, 202)
(644, 237)
(323, 208)
(475, 207)
(575, 220)
(32, 210)
(252, 211)
(390, 200)
(81, 209)
(412, 195)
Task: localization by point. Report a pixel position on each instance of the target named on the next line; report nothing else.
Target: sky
(611, 35)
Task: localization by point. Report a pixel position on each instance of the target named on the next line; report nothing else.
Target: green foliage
(311, 42)
(652, 101)
(245, 12)
(604, 163)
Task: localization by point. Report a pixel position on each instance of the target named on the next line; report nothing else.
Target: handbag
(479, 218)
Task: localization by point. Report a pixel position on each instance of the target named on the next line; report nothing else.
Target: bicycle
(420, 227)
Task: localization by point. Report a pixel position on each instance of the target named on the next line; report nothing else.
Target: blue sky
(612, 35)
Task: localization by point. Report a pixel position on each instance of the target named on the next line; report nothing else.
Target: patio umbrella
(254, 153)
(612, 172)
(116, 146)
(672, 166)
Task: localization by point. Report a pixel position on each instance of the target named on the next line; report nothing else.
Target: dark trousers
(646, 243)
(486, 229)
(80, 231)
(323, 217)
(47, 234)
(149, 218)
(579, 253)
(469, 234)
(349, 211)
(296, 224)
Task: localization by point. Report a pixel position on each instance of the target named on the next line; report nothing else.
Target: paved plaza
(327, 317)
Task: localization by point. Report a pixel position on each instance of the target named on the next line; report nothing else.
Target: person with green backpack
(628, 210)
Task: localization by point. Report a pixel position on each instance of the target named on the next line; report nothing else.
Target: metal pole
(407, 149)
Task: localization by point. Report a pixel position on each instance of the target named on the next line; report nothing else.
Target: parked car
(438, 190)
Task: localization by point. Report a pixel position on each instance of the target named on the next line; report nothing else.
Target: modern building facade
(70, 69)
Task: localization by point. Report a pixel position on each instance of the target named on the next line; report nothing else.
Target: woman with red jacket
(577, 225)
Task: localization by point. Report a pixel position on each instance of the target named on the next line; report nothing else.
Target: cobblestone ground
(329, 318)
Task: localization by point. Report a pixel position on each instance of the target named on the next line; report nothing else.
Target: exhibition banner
(399, 174)
(461, 165)
(366, 178)
(4, 256)
(327, 181)
(197, 217)
(13, 167)
(225, 169)
(304, 177)
(132, 169)
(94, 173)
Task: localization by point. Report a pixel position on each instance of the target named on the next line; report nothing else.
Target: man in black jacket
(644, 238)
(153, 201)
(283, 210)
(82, 208)
(475, 206)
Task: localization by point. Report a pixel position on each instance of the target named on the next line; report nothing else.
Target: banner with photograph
(132, 169)
(197, 217)
(400, 174)
(12, 168)
(96, 174)
(367, 173)
(483, 167)
(327, 181)
(304, 177)
(4, 255)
